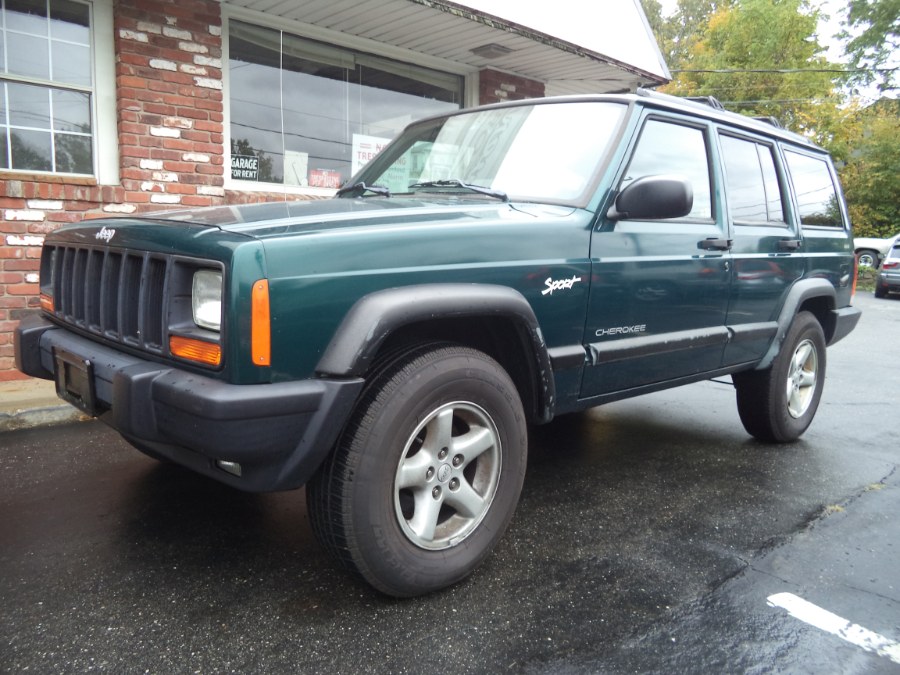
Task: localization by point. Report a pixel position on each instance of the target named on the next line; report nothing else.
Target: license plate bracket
(75, 381)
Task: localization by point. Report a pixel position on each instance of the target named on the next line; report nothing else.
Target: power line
(786, 71)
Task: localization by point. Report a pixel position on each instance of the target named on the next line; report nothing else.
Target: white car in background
(870, 251)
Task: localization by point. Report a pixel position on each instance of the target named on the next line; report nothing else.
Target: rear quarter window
(814, 188)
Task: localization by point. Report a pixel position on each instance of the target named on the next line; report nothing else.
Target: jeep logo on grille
(106, 234)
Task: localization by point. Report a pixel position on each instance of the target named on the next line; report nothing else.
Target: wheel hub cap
(802, 376)
(447, 476)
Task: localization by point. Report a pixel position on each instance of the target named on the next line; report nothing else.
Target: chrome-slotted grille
(119, 295)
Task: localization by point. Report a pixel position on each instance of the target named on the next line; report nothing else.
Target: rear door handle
(713, 244)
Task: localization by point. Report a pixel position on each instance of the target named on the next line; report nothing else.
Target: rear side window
(754, 195)
(817, 197)
(668, 148)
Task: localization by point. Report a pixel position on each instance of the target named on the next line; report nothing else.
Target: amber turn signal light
(200, 351)
(260, 327)
(47, 303)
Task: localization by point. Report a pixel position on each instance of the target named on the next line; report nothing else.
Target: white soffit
(573, 46)
(616, 29)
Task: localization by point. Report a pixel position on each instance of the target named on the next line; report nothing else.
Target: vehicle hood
(215, 232)
(273, 219)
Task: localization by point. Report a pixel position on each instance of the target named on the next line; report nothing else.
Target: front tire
(426, 476)
(777, 405)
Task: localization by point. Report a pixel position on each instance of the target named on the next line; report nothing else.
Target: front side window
(545, 152)
(754, 195)
(46, 79)
(669, 148)
(817, 198)
(309, 114)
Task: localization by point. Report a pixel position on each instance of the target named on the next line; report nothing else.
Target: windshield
(544, 152)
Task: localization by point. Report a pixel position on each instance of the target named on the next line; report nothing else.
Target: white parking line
(832, 623)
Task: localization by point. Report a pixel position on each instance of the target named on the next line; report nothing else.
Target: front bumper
(278, 434)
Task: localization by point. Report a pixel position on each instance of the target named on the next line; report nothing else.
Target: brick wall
(495, 86)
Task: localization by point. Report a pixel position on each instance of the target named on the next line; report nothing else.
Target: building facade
(114, 107)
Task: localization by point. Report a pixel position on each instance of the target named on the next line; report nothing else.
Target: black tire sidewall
(786, 427)
(406, 396)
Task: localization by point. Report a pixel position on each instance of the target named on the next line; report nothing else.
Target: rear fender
(819, 291)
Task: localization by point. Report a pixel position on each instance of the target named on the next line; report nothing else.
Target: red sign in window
(324, 178)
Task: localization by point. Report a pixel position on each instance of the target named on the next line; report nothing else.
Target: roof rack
(711, 101)
(768, 119)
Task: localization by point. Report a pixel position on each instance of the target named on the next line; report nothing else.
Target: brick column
(169, 90)
(495, 86)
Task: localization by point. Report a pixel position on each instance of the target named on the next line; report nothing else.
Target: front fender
(373, 318)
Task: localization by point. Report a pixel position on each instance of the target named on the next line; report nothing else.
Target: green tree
(873, 30)
(761, 57)
(871, 171)
(677, 34)
(653, 12)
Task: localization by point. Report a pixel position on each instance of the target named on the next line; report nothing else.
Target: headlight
(206, 299)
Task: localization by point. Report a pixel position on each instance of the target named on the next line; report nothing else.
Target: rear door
(767, 246)
(659, 288)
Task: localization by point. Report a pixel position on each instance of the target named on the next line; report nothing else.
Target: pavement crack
(872, 593)
(771, 575)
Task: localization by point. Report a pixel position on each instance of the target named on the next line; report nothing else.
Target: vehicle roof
(705, 107)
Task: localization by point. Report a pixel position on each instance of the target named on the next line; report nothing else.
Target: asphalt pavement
(653, 535)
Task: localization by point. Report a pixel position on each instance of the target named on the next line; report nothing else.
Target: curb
(29, 403)
(38, 417)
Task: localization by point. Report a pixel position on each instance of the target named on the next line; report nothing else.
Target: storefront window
(45, 87)
(308, 114)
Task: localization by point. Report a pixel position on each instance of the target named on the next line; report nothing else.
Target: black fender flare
(801, 292)
(374, 317)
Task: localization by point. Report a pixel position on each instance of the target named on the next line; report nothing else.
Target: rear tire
(881, 291)
(426, 476)
(777, 405)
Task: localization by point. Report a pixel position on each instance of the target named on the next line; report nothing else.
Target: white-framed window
(49, 113)
(304, 115)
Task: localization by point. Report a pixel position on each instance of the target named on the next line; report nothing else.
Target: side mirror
(653, 198)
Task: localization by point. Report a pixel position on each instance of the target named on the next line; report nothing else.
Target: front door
(659, 289)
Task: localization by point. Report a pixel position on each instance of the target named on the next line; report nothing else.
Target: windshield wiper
(455, 182)
(359, 189)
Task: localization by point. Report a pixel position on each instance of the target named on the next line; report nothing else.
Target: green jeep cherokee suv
(490, 268)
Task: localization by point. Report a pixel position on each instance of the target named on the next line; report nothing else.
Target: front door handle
(713, 244)
(788, 244)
